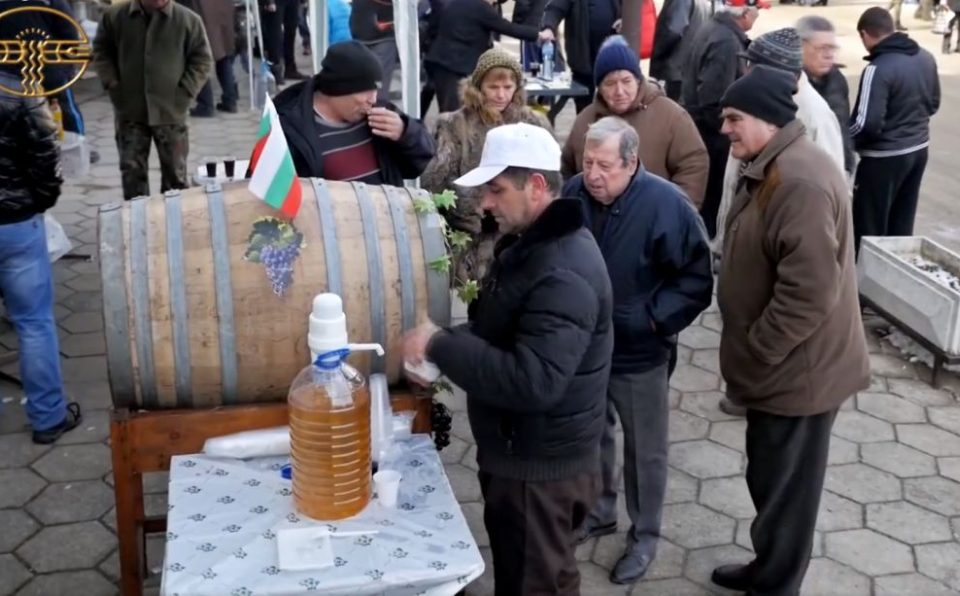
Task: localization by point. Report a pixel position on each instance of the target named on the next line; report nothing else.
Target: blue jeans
(27, 288)
(228, 85)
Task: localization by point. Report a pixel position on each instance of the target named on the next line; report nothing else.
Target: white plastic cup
(387, 483)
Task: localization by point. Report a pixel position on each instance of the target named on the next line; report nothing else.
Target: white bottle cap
(328, 325)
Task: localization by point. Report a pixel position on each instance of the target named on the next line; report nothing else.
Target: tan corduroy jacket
(792, 341)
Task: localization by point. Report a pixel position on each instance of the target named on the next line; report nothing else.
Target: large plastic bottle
(546, 72)
(265, 84)
(330, 421)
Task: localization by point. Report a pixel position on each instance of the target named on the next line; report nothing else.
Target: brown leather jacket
(792, 341)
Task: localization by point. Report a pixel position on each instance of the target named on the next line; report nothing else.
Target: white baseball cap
(518, 145)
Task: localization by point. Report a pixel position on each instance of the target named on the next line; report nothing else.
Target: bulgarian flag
(273, 177)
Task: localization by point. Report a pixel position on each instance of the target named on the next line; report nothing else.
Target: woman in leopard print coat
(492, 95)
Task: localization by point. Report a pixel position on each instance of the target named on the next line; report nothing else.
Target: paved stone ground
(890, 517)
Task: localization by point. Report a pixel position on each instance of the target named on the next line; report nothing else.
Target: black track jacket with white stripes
(899, 92)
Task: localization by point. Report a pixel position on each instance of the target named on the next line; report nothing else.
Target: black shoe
(94, 156)
(588, 531)
(73, 419)
(198, 113)
(225, 108)
(733, 577)
(731, 409)
(632, 566)
(294, 75)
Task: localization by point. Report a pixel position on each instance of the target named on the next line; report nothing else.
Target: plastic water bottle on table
(546, 72)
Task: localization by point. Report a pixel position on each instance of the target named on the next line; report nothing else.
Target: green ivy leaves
(457, 242)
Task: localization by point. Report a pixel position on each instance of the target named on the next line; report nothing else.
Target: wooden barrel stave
(190, 323)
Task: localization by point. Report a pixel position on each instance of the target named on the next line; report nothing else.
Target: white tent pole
(251, 70)
(406, 26)
(319, 32)
(256, 14)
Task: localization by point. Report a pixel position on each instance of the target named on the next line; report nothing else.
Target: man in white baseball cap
(518, 150)
(534, 362)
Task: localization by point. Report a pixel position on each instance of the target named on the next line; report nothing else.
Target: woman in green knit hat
(492, 95)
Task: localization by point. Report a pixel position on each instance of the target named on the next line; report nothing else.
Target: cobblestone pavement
(889, 521)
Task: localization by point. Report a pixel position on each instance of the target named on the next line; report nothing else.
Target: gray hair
(812, 24)
(612, 126)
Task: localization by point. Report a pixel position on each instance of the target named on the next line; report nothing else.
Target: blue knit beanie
(615, 54)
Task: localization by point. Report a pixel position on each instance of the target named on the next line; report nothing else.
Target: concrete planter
(889, 280)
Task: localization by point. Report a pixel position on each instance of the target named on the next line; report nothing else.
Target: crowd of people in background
(591, 258)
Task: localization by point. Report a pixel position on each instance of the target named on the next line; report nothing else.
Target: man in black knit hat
(336, 128)
(792, 348)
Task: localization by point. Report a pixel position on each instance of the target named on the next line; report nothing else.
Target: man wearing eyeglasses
(819, 62)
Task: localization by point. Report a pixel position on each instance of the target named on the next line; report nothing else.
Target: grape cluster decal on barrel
(275, 244)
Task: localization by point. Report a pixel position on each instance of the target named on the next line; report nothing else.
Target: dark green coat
(152, 67)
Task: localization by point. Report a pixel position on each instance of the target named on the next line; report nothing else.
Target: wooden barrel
(192, 321)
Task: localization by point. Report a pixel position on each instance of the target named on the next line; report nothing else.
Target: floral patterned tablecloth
(224, 516)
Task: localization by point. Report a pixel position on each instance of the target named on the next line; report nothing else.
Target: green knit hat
(496, 58)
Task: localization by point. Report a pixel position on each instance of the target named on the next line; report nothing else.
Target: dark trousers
(446, 84)
(271, 25)
(228, 87)
(427, 94)
(386, 53)
(718, 149)
(673, 89)
(786, 463)
(885, 195)
(641, 401)
(72, 118)
(585, 79)
(531, 527)
(304, 28)
(289, 11)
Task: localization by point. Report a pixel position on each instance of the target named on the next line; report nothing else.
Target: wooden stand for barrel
(197, 343)
(143, 442)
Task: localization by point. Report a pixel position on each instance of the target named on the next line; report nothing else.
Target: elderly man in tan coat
(792, 348)
(670, 145)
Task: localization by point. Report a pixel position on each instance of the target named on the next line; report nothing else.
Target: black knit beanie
(348, 67)
(765, 93)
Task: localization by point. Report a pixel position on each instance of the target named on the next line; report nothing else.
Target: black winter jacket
(576, 36)
(677, 28)
(658, 257)
(712, 65)
(834, 89)
(535, 358)
(371, 21)
(400, 160)
(899, 93)
(464, 32)
(29, 156)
